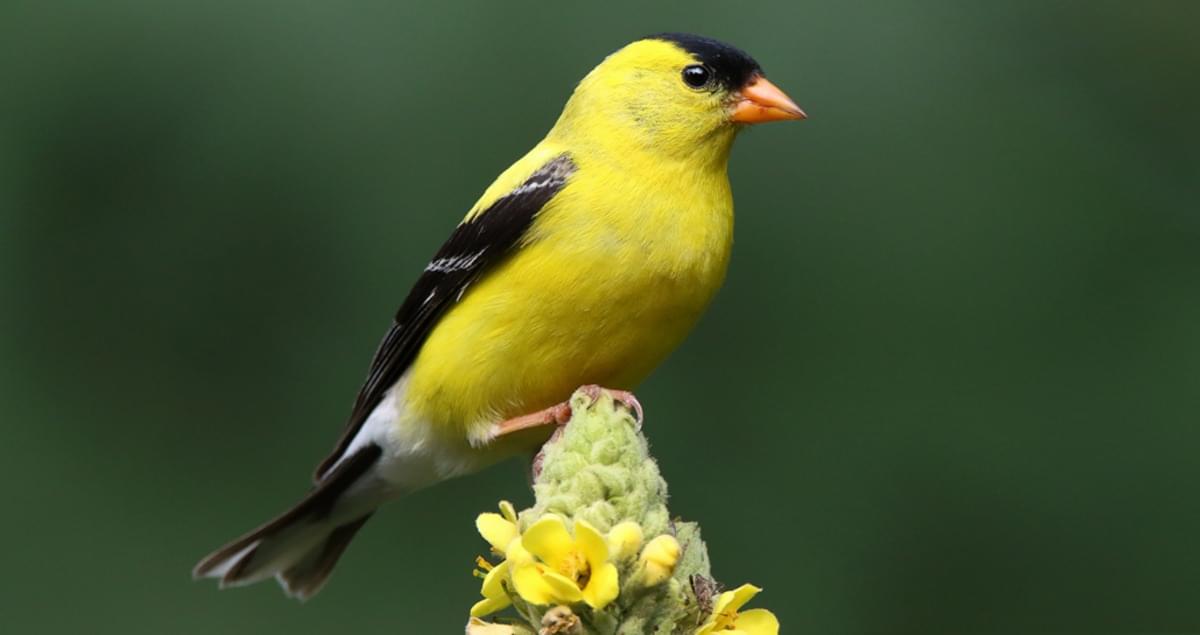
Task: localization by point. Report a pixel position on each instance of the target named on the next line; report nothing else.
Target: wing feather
(477, 244)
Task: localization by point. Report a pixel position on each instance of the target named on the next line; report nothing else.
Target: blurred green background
(952, 382)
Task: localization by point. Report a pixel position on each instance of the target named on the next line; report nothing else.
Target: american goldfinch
(585, 263)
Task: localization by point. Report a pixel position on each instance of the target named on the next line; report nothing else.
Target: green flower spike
(598, 554)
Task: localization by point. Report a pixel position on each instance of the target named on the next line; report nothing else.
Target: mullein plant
(598, 553)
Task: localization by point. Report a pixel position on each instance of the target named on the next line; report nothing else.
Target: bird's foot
(623, 397)
(559, 414)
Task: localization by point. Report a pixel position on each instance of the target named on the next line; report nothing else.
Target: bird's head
(676, 95)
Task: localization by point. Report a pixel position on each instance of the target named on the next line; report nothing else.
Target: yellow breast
(614, 273)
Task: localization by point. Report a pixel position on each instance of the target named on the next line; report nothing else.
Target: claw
(623, 397)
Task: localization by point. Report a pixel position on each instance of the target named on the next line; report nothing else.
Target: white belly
(414, 455)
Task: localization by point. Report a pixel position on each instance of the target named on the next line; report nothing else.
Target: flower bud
(659, 559)
(560, 620)
(624, 540)
(508, 511)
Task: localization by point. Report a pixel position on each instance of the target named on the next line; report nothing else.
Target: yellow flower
(498, 529)
(659, 559)
(495, 597)
(550, 566)
(624, 540)
(726, 620)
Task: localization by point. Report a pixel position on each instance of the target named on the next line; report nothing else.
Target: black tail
(306, 577)
(301, 546)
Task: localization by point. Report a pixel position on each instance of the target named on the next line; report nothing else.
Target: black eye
(696, 75)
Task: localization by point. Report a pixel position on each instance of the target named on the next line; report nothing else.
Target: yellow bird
(585, 263)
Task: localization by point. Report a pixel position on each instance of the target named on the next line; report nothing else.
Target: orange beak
(761, 101)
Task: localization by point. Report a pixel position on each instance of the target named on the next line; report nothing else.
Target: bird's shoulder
(548, 158)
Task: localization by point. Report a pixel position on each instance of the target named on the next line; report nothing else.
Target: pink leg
(560, 414)
(556, 415)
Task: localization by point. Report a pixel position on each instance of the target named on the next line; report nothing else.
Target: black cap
(732, 66)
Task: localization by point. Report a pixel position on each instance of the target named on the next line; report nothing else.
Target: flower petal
(564, 589)
(517, 554)
(548, 539)
(731, 601)
(603, 587)
(595, 550)
(495, 529)
(492, 589)
(719, 606)
(530, 585)
(493, 582)
(757, 622)
(487, 606)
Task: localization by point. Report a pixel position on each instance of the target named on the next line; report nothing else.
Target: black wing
(474, 247)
